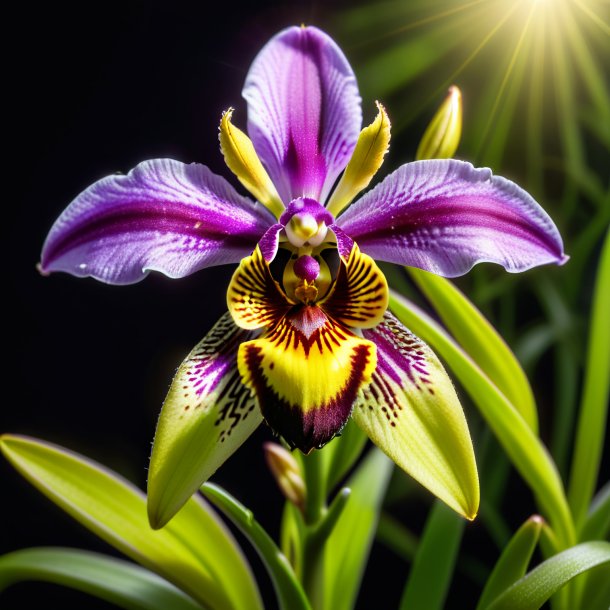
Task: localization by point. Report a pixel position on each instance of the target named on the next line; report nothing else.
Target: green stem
(315, 502)
(315, 509)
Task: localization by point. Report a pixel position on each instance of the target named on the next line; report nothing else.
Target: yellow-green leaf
(536, 587)
(513, 562)
(480, 340)
(195, 552)
(118, 582)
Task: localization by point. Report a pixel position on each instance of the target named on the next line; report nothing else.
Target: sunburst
(533, 74)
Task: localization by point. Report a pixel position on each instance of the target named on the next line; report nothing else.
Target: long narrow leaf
(594, 407)
(348, 546)
(513, 562)
(195, 551)
(434, 562)
(289, 591)
(597, 525)
(119, 582)
(522, 446)
(536, 587)
(480, 341)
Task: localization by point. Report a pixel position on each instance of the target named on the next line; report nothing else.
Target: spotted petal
(163, 216)
(445, 216)
(306, 373)
(207, 415)
(411, 412)
(304, 112)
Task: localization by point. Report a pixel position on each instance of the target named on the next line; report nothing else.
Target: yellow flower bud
(442, 137)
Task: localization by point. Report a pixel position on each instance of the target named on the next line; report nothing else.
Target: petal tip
(42, 270)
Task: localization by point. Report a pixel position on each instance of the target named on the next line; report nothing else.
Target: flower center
(306, 278)
(306, 222)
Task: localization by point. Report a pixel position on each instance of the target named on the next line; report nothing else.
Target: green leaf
(207, 414)
(343, 452)
(397, 537)
(596, 590)
(195, 551)
(513, 562)
(434, 563)
(480, 341)
(348, 546)
(597, 525)
(522, 446)
(536, 587)
(594, 407)
(119, 582)
(289, 591)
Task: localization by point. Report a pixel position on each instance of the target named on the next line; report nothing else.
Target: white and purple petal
(445, 216)
(163, 216)
(304, 112)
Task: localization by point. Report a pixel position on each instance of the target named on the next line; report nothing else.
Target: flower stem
(315, 503)
(315, 510)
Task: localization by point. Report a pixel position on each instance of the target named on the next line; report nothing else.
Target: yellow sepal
(373, 143)
(242, 160)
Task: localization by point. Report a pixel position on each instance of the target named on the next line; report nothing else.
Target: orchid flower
(308, 340)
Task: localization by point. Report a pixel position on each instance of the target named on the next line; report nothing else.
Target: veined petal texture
(445, 216)
(163, 216)
(207, 415)
(304, 112)
(411, 412)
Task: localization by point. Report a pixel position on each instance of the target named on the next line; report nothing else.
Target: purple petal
(304, 113)
(445, 216)
(163, 216)
(270, 241)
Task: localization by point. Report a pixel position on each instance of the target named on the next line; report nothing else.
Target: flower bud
(442, 137)
(286, 472)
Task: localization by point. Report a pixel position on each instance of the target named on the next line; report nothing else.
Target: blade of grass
(288, 589)
(116, 581)
(397, 537)
(513, 561)
(597, 525)
(536, 587)
(434, 562)
(594, 405)
(195, 550)
(348, 546)
(522, 446)
(480, 340)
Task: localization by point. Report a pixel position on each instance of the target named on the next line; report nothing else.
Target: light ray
(534, 113)
(507, 75)
(420, 22)
(452, 79)
(588, 67)
(593, 16)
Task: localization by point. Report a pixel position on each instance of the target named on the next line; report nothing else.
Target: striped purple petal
(163, 216)
(304, 113)
(445, 216)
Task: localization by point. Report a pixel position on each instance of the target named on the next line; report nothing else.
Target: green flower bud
(442, 137)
